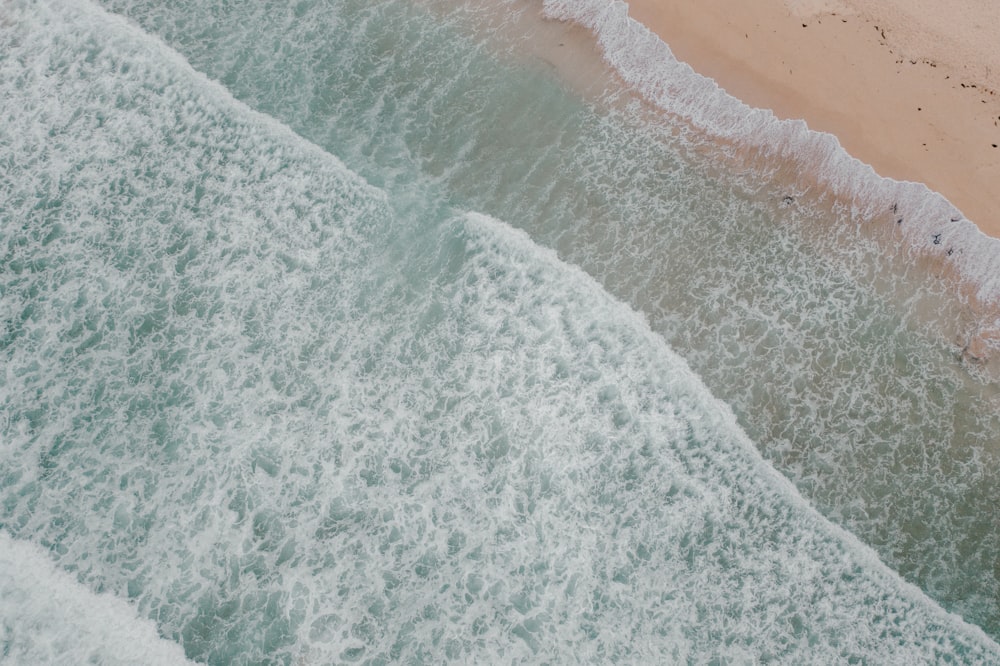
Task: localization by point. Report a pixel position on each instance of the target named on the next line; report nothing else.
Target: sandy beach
(908, 86)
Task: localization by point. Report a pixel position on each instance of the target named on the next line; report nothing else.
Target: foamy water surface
(350, 332)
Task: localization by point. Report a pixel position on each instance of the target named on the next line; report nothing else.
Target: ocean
(421, 331)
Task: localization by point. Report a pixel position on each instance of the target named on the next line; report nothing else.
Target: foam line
(517, 243)
(47, 617)
(647, 63)
(149, 50)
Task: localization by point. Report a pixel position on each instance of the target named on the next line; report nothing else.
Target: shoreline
(895, 91)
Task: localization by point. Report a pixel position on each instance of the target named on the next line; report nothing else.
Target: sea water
(346, 331)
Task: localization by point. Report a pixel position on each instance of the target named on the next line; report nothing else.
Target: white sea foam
(46, 617)
(646, 62)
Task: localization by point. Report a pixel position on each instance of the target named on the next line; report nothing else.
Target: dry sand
(911, 87)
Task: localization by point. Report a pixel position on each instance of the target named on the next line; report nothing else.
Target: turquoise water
(351, 332)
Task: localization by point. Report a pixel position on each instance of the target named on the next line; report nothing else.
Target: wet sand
(911, 87)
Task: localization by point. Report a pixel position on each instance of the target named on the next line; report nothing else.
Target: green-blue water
(350, 332)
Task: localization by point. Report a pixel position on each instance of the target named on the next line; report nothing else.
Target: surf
(292, 416)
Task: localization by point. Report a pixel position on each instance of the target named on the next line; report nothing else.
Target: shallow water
(294, 414)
